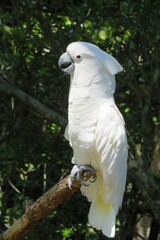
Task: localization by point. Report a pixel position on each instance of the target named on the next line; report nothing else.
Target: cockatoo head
(88, 64)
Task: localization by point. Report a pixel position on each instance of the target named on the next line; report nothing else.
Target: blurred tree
(33, 109)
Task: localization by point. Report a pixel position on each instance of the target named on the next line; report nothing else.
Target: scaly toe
(86, 175)
(73, 175)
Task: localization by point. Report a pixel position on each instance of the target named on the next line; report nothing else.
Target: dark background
(33, 152)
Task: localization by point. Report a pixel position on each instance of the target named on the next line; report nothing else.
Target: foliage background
(33, 152)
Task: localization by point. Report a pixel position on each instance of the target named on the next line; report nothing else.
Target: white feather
(110, 129)
(96, 132)
(102, 217)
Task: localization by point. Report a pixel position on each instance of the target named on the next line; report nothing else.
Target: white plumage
(96, 130)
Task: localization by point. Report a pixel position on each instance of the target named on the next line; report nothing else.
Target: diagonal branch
(40, 108)
(144, 181)
(36, 211)
(147, 186)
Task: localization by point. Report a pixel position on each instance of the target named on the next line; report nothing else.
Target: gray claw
(79, 173)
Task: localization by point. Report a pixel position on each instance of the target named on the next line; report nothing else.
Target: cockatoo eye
(78, 57)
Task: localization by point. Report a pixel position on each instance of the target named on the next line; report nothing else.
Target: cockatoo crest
(78, 50)
(90, 65)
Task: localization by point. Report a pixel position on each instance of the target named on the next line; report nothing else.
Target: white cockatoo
(96, 131)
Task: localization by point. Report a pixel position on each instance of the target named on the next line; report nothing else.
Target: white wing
(111, 143)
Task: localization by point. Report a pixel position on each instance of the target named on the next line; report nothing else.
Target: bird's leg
(78, 172)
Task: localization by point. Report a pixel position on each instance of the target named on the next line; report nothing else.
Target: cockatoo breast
(82, 120)
(81, 129)
(83, 114)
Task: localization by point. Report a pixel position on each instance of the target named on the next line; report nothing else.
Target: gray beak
(66, 63)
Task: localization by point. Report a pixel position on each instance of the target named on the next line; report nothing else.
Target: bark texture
(36, 211)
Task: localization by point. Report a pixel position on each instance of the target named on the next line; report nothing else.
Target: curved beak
(66, 63)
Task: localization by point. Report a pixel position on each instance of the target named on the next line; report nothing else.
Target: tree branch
(36, 211)
(144, 181)
(147, 186)
(44, 111)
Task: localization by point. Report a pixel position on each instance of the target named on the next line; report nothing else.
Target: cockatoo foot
(78, 172)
